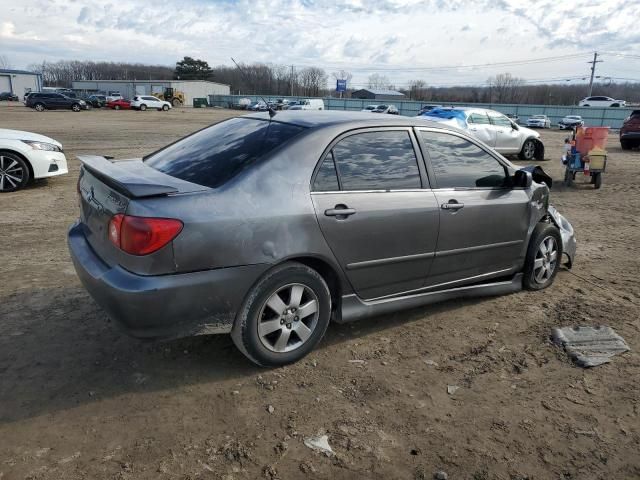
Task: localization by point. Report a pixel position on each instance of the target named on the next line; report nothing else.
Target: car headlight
(82, 102)
(49, 147)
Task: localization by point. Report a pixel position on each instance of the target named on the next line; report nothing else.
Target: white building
(20, 82)
(130, 88)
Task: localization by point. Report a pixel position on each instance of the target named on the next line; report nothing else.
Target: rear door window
(327, 177)
(377, 161)
(458, 163)
(213, 156)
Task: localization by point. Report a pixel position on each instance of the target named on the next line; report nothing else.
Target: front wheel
(14, 173)
(284, 316)
(117, 107)
(543, 257)
(528, 150)
(143, 107)
(165, 108)
(597, 180)
(626, 144)
(39, 107)
(75, 107)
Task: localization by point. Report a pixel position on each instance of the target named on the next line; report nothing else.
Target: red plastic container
(588, 138)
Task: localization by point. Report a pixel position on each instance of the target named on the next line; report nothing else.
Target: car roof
(322, 118)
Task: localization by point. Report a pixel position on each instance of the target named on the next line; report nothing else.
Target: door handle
(340, 211)
(452, 205)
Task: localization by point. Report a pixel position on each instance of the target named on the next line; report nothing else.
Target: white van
(308, 104)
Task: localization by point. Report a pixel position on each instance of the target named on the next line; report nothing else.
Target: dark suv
(630, 131)
(43, 101)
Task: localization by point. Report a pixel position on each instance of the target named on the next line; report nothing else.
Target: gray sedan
(270, 228)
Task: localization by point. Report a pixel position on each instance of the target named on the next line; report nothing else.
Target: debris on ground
(451, 389)
(320, 444)
(270, 409)
(440, 475)
(431, 363)
(590, 346)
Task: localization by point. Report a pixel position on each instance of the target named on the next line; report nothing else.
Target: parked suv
(601, 102)
(142, 102)
(630, 131)
(50, 101)
(223, 232)
(8, 96)
(493, 128)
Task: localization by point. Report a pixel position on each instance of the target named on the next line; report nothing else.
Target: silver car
(269, 229)
(494, 129)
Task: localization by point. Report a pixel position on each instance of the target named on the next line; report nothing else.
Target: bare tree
(5, 62)
(418, 90)
(378, 81)
(505, 88)
(313, 80)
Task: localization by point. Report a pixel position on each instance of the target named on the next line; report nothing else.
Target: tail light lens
(142, 235)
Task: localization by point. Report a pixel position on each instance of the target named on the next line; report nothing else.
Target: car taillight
(142, 235)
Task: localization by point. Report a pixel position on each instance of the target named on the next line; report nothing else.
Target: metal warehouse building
(373, 94)
(20, 82)
(129, 88)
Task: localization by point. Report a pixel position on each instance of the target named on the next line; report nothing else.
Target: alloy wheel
(288, 318)
(528, 149)
(11, 174)
(546, 259)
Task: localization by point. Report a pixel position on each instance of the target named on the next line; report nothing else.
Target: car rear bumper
(630, 136)
(163, 306)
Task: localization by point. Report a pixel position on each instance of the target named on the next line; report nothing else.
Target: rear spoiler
(125, 180)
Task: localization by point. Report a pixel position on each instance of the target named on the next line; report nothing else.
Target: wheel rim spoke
(307, 309)
(303, 331)
(283, 340)
(296, 295)
(276, 304)
(538, 263)
(270, 326)
(553, 256)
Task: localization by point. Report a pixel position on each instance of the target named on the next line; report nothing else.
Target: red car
(630, 131)
(119, 104)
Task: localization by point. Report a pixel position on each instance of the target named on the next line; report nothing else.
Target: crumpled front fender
(567, 234)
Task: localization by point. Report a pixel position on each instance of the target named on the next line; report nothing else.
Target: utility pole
(593, 71)
(292, 80)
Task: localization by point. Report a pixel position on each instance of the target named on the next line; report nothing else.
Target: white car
(113, 96)
(308, 104)
(493, 128)
(142, 102)
(25, 156)
(539, 121)
(601, 102)
(369, 108)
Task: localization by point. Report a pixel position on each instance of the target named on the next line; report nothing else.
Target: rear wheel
(626, 144)
(143, 107)
(597, 180)
(543, 257)
(75, 107)
(284, 316)
(14, 172)
(528, 150)
(176, 103)
(39, 107)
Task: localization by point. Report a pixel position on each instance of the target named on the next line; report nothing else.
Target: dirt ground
(78, 400)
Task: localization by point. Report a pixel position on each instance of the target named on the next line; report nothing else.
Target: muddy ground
(78, 400)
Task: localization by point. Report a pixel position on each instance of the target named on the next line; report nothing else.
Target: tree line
(280, 80)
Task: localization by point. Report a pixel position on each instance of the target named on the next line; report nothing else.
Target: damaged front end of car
(567, 234)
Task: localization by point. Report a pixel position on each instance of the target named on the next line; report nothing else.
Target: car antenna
(272, 112)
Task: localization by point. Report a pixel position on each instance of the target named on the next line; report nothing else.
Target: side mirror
(522, 179)
(514, 126)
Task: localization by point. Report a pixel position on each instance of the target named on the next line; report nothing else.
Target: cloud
(357, 35)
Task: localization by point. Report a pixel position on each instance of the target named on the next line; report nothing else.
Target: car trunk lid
(106, 189)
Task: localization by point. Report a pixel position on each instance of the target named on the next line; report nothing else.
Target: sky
(441, 42)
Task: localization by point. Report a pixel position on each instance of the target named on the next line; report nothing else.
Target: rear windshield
(216, 154)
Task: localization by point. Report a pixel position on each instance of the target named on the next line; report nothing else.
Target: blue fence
(596, 117)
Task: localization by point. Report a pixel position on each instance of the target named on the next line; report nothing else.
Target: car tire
(143, 107)
(176, 103)
(117, 107)
(528, 150)
(165, 108)
(39, 107)
(274, 338)
(626, 144)
(75, 107)
(14, 172)
(543, 257)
